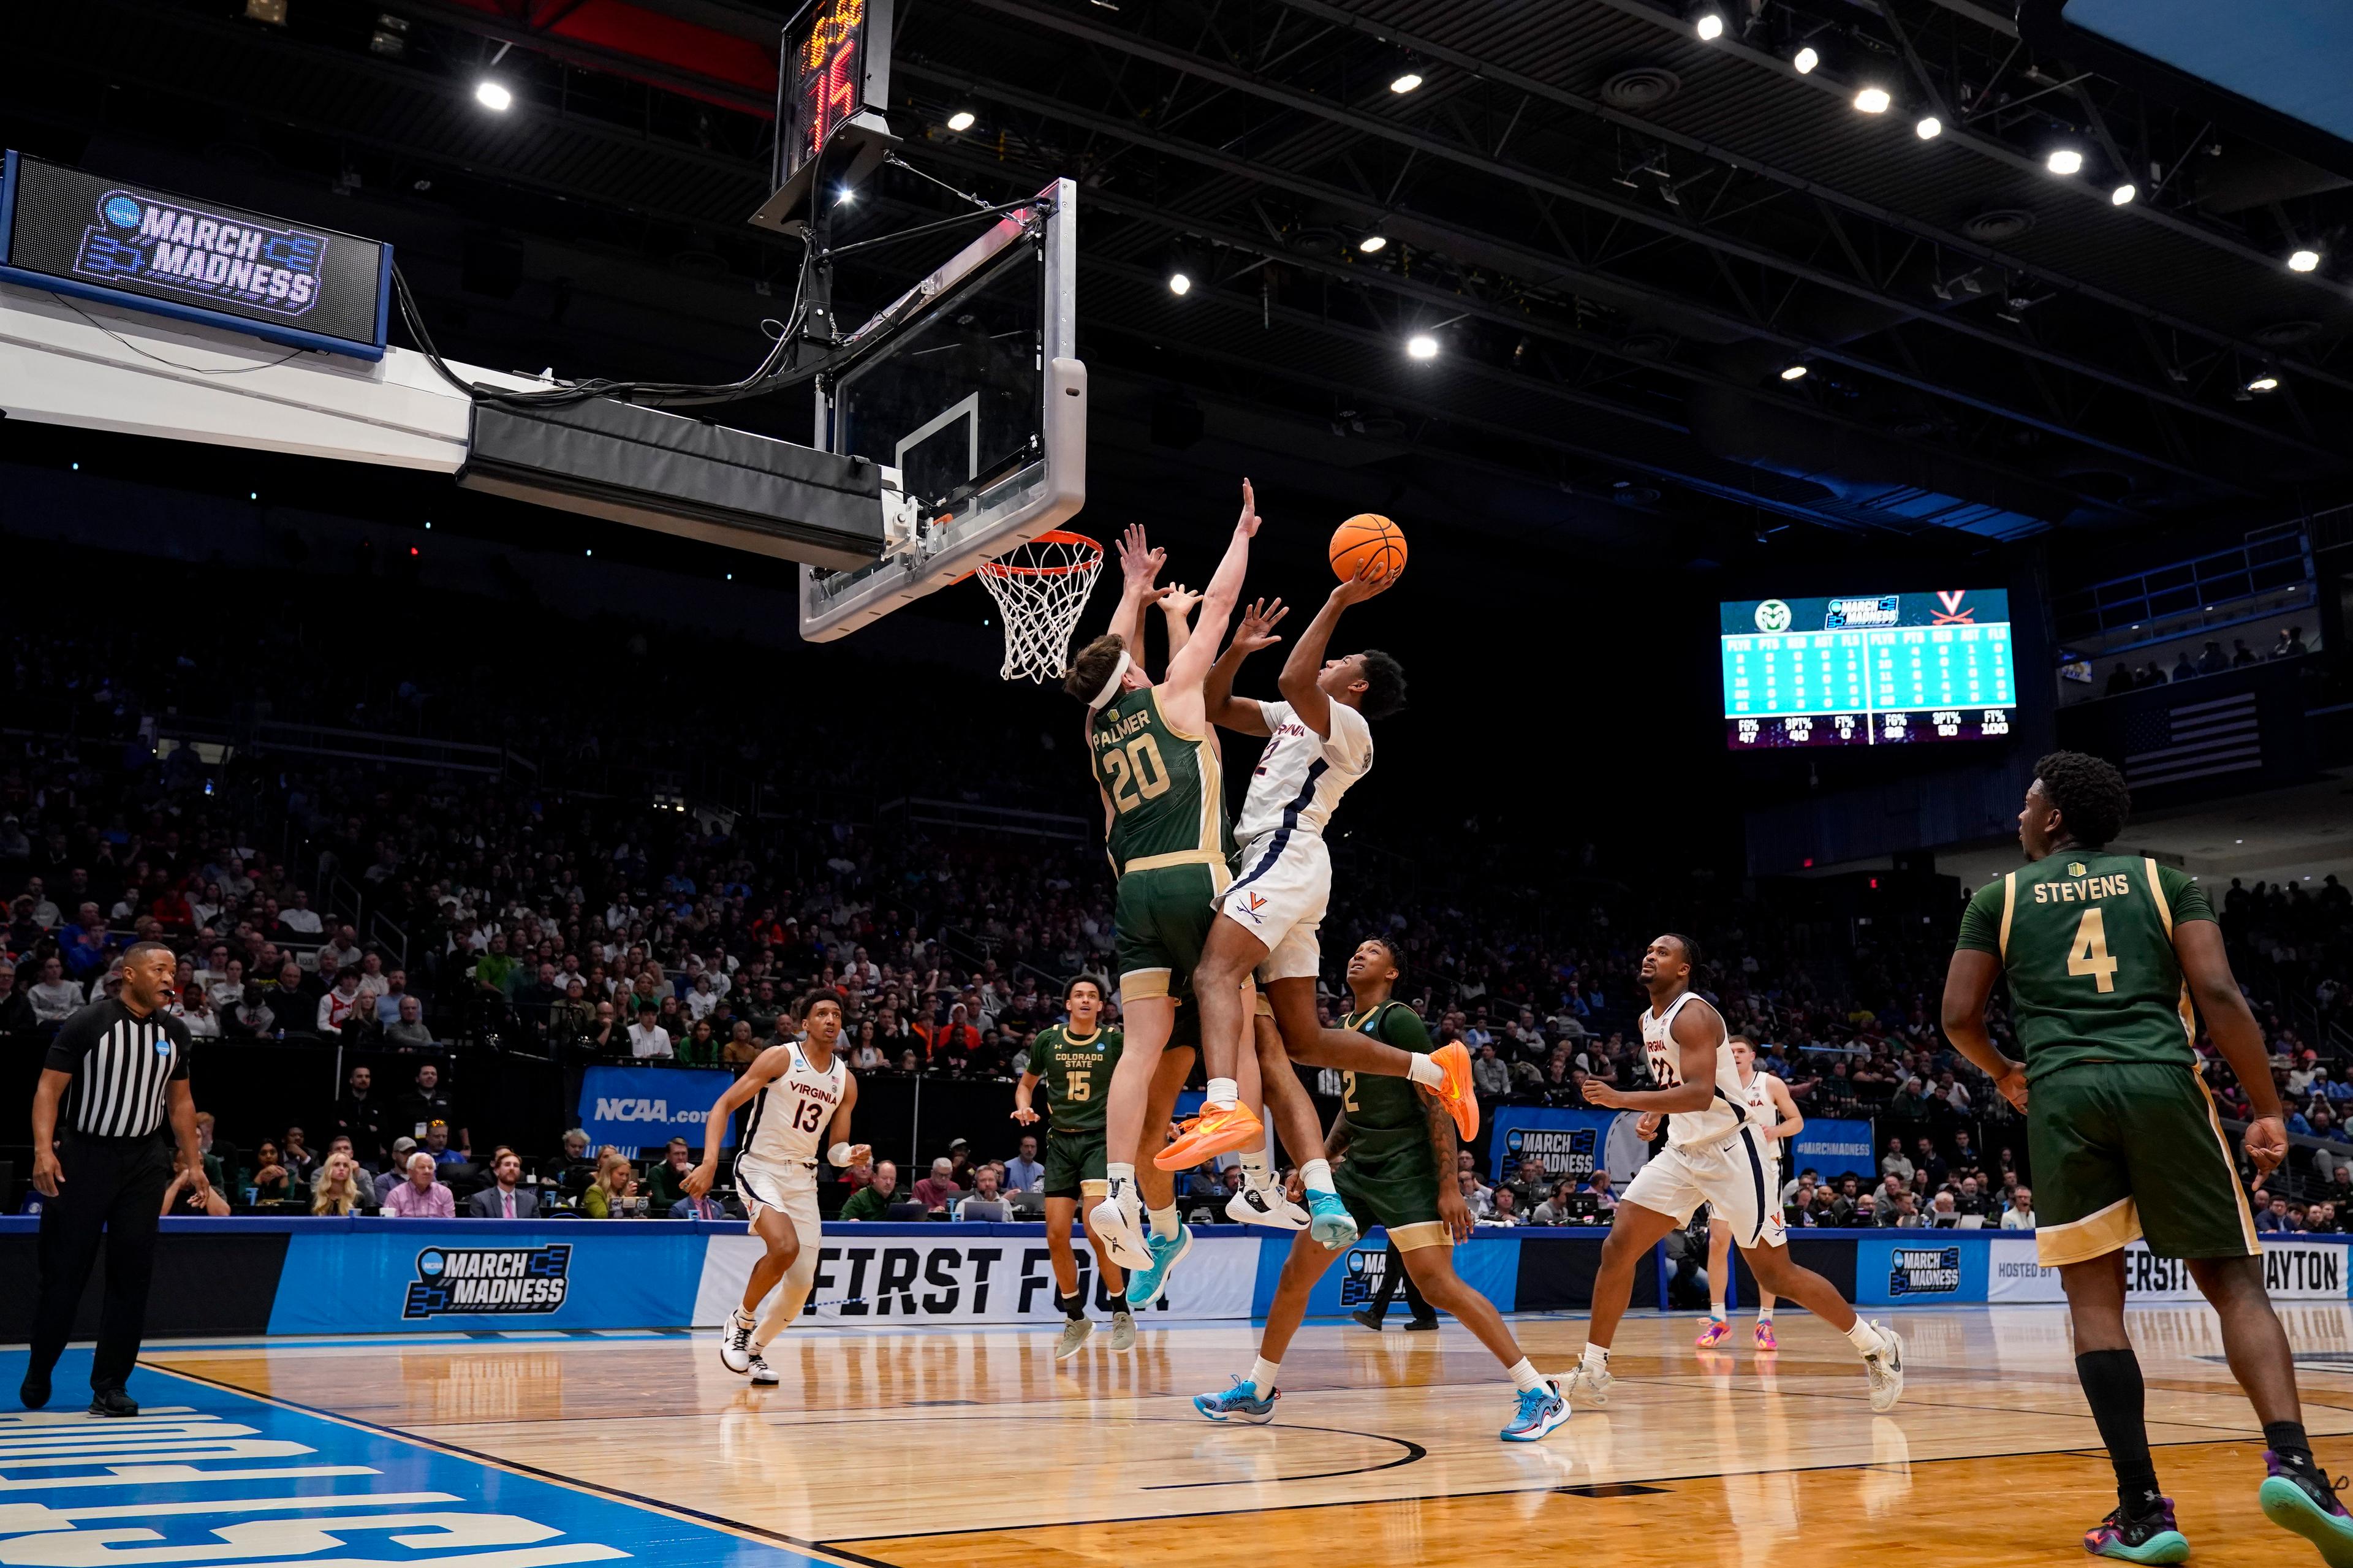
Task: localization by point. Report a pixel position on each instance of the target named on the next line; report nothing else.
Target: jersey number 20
(1150, 774)
(2088, 954)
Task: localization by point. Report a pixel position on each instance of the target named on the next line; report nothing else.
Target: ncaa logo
(1773, 616)
(1364, 1271)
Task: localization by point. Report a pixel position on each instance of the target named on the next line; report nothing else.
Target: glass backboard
(974, 402)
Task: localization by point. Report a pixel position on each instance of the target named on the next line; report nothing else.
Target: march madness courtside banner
(1569, 1142)
(1833, 1148)
(645, 1108)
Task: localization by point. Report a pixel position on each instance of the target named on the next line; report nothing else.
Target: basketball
(1368, 536)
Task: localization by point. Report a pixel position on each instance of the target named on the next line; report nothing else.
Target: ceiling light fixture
(493, 96)
(1928, 128)
(1806, 59)
(1873, 100)
(962, 119)
(1710, 27)
(2064, 160)
(2303, 260)
(1180, 284)
(2263, 384)
(1373, 244)
(1794, 373)
(1421, 345)
(844, 196)
(2124, 195)
(1405, 83)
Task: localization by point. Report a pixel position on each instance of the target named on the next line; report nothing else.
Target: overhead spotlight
(2124, 195)
(2263, 384)
(1806, 59)
(1928, 128)
(844, 196)
(1405, 83)
(2064, 160)
(1180, 284)
(1421, 345)
(1373, 244)
(1873, 100)
(962, 119)
(1709, 26)
(493, 96)
(1795, 373)
(2303, 260)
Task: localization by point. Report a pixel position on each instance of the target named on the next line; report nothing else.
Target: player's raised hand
(1371, 578)
(1138, 562)
(1179, 601)
(1257, 630)
(2266, 1143)
(1247, 524)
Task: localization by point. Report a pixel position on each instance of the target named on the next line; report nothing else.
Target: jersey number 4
(2088, 954)
(1137, 774)
(809, 1115)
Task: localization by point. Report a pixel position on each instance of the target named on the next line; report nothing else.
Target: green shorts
(2126, 1150)
(1163, 914)
(1395, 1190)
(1074, 1164)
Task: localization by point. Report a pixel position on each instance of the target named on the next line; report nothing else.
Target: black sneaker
(2296, 1495)
(35, 1391)
(1364, 1315)
(2146, 1535)
(112, 1402)
(1420, 1325)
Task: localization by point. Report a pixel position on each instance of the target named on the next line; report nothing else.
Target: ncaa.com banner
(883, 1274)
(644, 1108)
(2293, 1270)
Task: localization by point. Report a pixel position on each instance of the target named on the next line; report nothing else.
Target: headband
(1111, 687)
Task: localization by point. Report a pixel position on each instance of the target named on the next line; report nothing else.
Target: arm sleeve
(74, 1039)
(2187, 898)
(1349, 746)
(1981, 922)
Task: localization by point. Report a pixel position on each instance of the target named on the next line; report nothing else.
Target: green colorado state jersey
(1076, 1071)
(2086, 939)
(1386, 1117)
(1166, 794)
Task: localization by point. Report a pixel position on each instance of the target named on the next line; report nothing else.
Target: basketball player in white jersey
(1775, 1119)
(796, 1089)
(1319, 742)
(1714, 1157)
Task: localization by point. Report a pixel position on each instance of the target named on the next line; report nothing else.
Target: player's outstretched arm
(1696, 1030)
(1241, 714)
(2236, 1035)
(1177, 608)
(765, 1069)
(1023, 1094)
(1297, 681)
(843, 1153)
(1968, 982)
(1181, 702)
(1139, 567)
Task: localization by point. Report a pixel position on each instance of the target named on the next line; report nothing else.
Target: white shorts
(791, 1191)
(1732, 1177)
(1280, 898)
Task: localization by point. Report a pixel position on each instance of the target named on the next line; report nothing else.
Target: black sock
(2112, 1382)
(1074, 1305)
(2287, 1439)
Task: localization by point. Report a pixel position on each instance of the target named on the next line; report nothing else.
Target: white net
(1039, 588)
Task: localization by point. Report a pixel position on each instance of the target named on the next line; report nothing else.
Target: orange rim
(1055, 536)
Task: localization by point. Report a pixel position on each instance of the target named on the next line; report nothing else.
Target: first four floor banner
(645, 1108)
(2292, 1271)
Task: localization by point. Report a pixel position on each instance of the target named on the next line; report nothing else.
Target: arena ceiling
(1622, 238)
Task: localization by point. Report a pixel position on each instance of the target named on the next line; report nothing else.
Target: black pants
(1394, 1278)
(114, 1186)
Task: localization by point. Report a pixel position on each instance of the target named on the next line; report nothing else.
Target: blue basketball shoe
(1144, 1284)
(1328, 1221)
(1538, 1412)
(1243, 1402)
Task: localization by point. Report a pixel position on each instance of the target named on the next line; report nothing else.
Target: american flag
(2193, 741)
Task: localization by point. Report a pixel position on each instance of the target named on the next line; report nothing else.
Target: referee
(126, 1065)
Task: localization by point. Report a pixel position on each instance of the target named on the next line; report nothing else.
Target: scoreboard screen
(1874, 669)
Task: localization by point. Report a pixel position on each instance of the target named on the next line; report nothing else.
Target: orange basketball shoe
(1458, 1094)
(1213, 1132)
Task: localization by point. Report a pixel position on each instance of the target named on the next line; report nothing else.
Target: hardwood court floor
(936, 1448)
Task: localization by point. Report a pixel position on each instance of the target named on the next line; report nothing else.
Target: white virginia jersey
(790, 1115)
(1718, 1120)
(1300, 777)
(1762, 1110)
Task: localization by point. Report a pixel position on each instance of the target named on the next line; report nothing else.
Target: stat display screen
(1870, 669)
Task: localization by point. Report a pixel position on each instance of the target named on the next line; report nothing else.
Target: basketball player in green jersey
(1156, 760)
(1393, 1151)
(1074, 1061)
(2105, 955)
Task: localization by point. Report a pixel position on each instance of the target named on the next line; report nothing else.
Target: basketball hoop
(1039, 588)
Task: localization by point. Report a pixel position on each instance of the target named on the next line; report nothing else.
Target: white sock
(1317, 1174)
(1121, 1181)
(1596, 1357)
(1163, 1222)
(1715, 1311)
(1223, 1092)
(1262, 1375)
(746, 1320)
(1523, 1375)
(1866, 1338)
(1425, 1071)
(1254, 1167)
(1765, 1315)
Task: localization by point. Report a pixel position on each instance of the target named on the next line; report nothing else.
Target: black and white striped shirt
(121, 1065)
